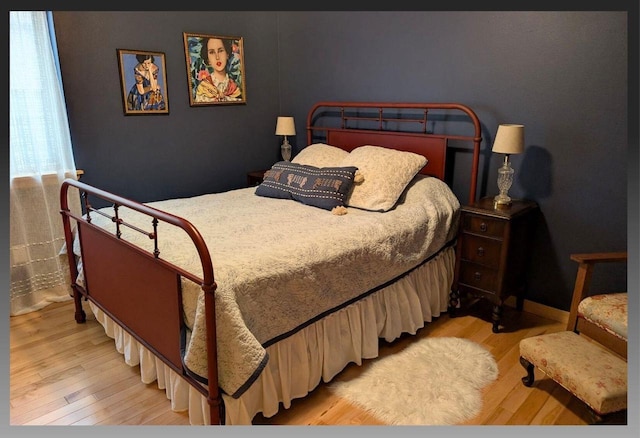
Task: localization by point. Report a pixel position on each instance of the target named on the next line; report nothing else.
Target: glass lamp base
(285, 150)
(502, 200)
(505, 179)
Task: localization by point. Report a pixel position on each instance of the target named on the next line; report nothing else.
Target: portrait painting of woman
(215, 69)
(143, 80)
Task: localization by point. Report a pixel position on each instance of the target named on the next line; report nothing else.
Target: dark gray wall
(192, 150)
(561, 74)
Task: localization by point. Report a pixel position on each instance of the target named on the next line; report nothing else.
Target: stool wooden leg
(529, 378)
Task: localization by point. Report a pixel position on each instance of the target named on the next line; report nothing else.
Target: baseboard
(540, 310)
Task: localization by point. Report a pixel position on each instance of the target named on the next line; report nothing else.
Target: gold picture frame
(143, 80)
(215, 69)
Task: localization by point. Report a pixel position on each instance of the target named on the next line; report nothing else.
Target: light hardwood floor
(66, 373)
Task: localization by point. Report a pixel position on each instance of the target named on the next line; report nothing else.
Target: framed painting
(215, 69)
(143, 79)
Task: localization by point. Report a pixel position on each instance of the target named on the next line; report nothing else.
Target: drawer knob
(480, 251)
(477, 275)
(483, 227)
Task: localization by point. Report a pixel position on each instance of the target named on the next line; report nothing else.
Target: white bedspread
(280, 265)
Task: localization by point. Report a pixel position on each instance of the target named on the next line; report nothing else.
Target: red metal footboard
(137, 289)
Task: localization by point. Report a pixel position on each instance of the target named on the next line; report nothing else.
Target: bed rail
(352, 124)
(128, 283)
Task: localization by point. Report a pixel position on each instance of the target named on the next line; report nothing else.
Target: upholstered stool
(592, 373)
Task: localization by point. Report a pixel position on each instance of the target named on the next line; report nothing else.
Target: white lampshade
(285, 126)
(509, 139)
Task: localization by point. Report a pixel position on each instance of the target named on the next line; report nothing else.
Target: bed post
(80, 316)
(214, 399)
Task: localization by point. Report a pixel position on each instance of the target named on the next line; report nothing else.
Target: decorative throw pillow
(386, 172)
(320, 155)
(325, 187)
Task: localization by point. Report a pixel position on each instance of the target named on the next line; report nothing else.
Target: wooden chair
(603, 316)
(589, 359)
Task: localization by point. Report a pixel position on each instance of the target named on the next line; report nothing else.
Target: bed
(236, 303)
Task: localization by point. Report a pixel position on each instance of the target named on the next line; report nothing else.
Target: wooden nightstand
(254, 178)
(492, 253)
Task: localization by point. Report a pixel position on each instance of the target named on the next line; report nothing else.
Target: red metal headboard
(401, 126)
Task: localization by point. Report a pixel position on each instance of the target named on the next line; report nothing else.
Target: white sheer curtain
(40, 158)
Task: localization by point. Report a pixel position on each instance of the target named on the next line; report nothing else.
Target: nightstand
(254, 178)
(492, 253)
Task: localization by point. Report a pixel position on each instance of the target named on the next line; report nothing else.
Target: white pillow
(320, 155)
(386, 173)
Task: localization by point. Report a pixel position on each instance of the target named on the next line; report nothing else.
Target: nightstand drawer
(478, 276)
(483, 225)
(481, 250)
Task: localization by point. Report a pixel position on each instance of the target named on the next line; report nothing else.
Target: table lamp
(285, 126)
(509, 140)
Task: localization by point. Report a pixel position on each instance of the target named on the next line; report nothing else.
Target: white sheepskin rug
(434, 381)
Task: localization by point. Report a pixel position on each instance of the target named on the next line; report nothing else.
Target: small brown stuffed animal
(339, 210)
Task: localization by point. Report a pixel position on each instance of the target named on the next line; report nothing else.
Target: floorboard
(65, 373)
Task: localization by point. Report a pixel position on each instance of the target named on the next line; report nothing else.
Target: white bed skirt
(318, 352)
